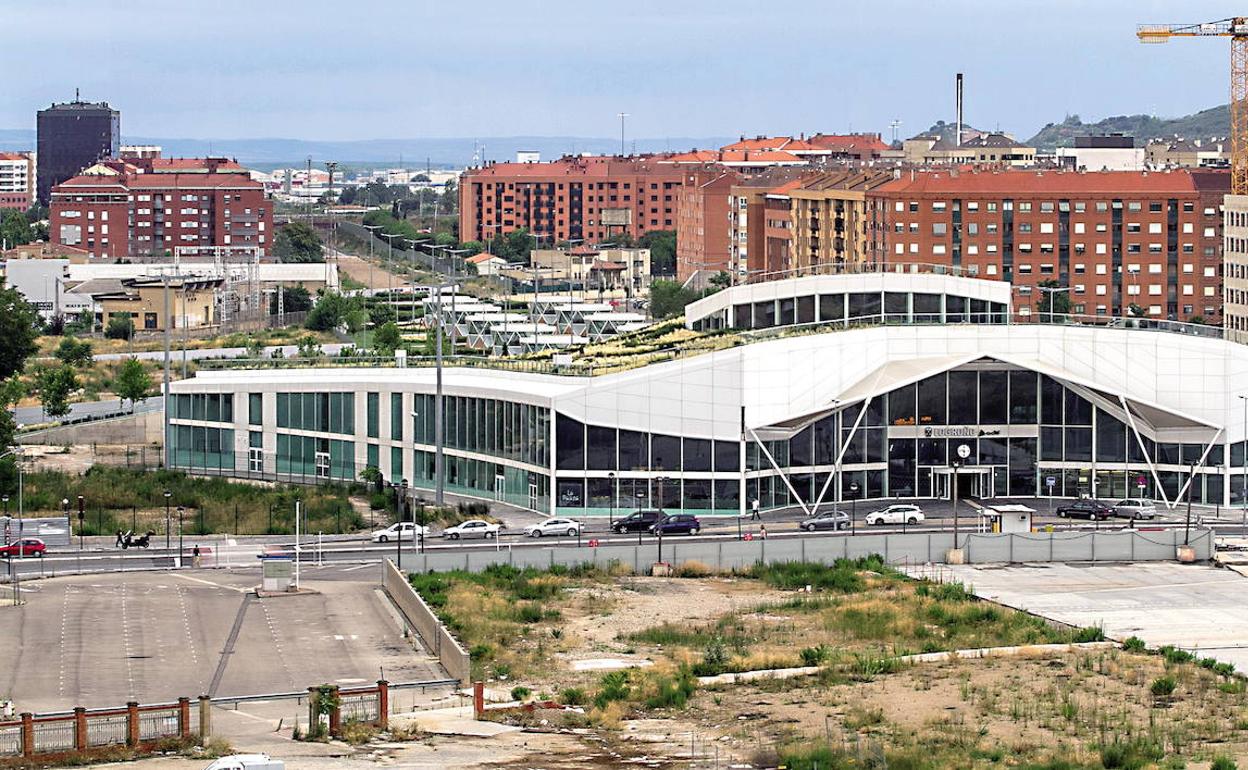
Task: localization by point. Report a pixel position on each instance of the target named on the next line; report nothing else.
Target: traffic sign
(1050, 481)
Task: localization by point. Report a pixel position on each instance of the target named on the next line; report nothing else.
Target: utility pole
(168, 319)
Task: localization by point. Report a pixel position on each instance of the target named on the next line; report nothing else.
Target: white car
(247, 762)
(471, 528)
(556, 527)
(403, 530)
(1135, 509)
(895, 514)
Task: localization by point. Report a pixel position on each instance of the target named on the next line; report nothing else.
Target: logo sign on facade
(950, 432)
(964, 451)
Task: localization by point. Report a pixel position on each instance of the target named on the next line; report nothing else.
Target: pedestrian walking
(119, 542)
(195, 557)
(754, 514)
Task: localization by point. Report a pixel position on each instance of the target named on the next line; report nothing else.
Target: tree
(721, 280)
(14, 229)
(668, 298)
(298, 242)
(309, 347)
(55, 386)
(1136, 311)
(472, 248)
(347, 196)
(333, 310)
(1053, 302)
(295, 299)
(1197, 319)
(19, 326)
(380, 313)
(120, 327)
(83, 322)
(662, 245)
(387, 338)
(74, 352)
(133, 382)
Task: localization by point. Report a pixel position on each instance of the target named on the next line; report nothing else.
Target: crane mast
(1236, 28)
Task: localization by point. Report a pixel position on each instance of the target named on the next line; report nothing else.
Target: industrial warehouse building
(870, 401)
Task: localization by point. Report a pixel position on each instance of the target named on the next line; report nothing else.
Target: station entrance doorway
(972, 482)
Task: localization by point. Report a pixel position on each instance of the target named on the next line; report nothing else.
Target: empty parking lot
(1195, 607)
(105, 639)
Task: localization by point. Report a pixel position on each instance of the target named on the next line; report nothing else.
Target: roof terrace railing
(600, 364)
(866, 268)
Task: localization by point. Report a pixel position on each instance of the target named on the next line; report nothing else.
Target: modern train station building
(805, 392)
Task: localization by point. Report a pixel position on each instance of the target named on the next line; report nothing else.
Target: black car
(641, 521)
(676, 524)
(1094, 510)
(835, 520)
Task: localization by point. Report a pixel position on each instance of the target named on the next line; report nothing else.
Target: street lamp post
(181, 510)
(82, 515)
(611, 511)
(370, 229)
(658, 525)
(853, 508)
(1243, 479)
(1051, 290)
(168, 520)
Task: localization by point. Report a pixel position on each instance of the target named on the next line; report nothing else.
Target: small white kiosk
(1005, 518)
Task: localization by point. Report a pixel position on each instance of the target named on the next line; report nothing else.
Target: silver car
(1135, 509)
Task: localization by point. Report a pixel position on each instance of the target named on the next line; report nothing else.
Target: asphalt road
(222, 551)
(330, 348)
(31, 415)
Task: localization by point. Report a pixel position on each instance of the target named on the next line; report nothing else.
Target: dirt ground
(376, 277)
(76, 459)
(637, 603)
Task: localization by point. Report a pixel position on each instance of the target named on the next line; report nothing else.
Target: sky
(365, 69)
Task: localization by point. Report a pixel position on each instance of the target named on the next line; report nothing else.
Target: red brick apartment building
(1116, 238)
(585, 198)
(150, 206)
(702, 223)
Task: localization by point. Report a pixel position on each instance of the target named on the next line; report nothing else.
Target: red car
(29, 546)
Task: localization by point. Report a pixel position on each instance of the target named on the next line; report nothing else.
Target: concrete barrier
(436, 637)
(908, 548)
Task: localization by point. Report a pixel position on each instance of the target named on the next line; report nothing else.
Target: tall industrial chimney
(958, 136)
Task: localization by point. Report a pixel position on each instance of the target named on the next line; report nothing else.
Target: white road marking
(214, 585)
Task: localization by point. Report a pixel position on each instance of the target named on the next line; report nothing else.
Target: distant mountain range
(457, 153)
(271, 153)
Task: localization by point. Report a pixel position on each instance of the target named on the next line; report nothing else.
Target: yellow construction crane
(1237, 30)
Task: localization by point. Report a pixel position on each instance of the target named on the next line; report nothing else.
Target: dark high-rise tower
(72, 136)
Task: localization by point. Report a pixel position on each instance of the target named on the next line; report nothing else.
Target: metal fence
(916, 548)
(108, 729)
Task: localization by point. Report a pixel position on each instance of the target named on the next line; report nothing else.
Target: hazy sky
(359, 69)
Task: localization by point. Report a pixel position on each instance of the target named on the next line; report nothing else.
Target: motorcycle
(128, 540)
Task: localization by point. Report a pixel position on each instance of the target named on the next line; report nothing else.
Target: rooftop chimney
(958, 135)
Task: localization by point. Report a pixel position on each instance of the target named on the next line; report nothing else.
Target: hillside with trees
(1213, 122)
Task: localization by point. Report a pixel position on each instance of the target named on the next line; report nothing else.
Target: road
(331, 349)
(223, 551)
(33, 415)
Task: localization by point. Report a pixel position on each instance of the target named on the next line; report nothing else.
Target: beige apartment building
(1235, 267)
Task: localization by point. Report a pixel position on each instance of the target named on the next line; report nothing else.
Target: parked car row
(1099, 510)
(654, 522)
